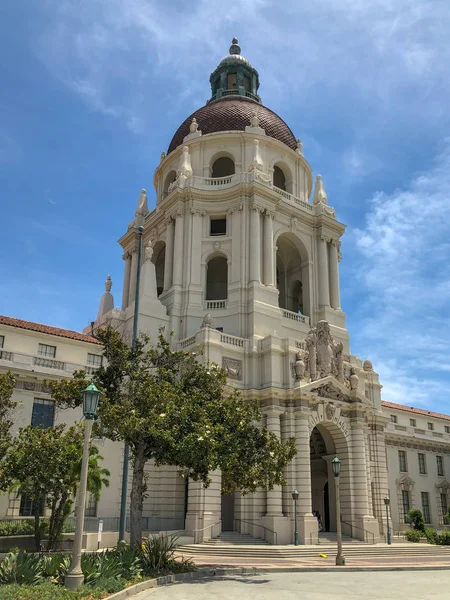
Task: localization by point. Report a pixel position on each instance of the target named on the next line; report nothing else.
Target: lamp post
(387, 501)
(295, 498)
(126, 450)
(75, 576)
(336, 464)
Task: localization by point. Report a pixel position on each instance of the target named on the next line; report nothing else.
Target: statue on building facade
(322, 357)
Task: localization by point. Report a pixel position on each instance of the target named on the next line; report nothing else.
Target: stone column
(268, 248)
(133, 277)
(126, 280)
(196, 247)
(324, 292)
(168, 266)
(307, 524)
(360, 503)
(178, 250)
(380, 476)
(335, 299)
(255, 244)
(275, 496)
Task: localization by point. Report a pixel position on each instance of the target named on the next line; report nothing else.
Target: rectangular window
(27, 507)
(94, 360)
(218, 226)
(43, 413)
(2, 341)
(231, 81)
(91, 506)
(430, 426)
(447, 428)
(48, 351)
(422, 464)
(412, 422)
(406, 504)
(440, 466)
(444, 504)
(426, 506)
(394, 419)
(402, 461)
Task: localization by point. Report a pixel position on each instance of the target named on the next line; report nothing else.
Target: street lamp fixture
(336, 465)
(295, 498)
(387, 501)
(75, 577)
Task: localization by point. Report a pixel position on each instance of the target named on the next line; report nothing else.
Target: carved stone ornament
(299, 148)
(320, 196)
(328, 391)
(325, 355)
(299, 365)
(29, 385)
(184, 171)
(193, 127)
(330, 409)
(148, 251)
(207, 321)
(216, 245)
(232, 367)
(108, 284)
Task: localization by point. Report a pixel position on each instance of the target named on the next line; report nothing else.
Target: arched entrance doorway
(326, 442)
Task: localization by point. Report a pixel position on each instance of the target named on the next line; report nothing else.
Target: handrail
(240, 521)
(369, 533)
(196, 531)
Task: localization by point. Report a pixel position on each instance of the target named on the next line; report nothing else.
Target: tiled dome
(233, 113)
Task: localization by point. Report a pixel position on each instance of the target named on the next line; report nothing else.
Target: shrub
(413, 535)
(48, 591)
(21, 568)
(415, 517)
(18, 527)
(444, 539)
(158, 556)
(431, 535)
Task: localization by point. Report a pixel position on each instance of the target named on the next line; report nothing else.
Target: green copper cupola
(234, 76)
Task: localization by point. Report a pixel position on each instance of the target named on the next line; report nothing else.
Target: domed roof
(233, 113)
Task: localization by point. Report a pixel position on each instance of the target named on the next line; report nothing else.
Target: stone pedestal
(308, 530)
(284, 528)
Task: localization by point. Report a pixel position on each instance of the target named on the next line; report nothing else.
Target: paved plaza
(411, 585)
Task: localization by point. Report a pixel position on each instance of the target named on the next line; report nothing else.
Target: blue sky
(93, 90)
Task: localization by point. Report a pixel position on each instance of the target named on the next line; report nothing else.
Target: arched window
(223, 167)
(159, 258)
(217, 279)
(292, 274)
(279, 179)
(170, 178)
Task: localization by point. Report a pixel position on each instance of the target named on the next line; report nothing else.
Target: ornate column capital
(255, 207)
(237, 208)
(269, 214)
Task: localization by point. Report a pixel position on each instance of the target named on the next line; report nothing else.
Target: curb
(219, 571)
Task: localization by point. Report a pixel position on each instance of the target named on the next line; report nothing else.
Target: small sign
(100, 530)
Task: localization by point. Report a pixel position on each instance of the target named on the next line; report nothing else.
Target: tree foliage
(171, 408)
(45, 464)
(7, 381)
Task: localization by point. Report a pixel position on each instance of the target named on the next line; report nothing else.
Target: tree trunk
(37, 525)
(137, 496)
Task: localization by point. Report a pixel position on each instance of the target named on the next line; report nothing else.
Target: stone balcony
(19, 361)
(417, 432)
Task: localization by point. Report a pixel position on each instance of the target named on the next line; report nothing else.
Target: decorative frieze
(233, 367)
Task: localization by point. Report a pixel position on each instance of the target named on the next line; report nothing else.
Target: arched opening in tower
(292, 274)
(217, 279)
(159, 258)
(223, 167)
(279, 178)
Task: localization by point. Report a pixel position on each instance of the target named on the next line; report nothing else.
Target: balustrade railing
(233, 340)
(292, 198)
(293, 316)
(50, 363)
(186, 342)
(4, 355)
(217, 181)
(215, 304)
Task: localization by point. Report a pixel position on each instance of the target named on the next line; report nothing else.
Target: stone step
(313, 551)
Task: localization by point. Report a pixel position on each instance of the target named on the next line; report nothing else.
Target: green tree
(6, 406)
(415, 517)
(171, 408)
(45, 464)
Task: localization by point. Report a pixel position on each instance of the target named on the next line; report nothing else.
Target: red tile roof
(233, 113)
(416, 411)
(65, 333)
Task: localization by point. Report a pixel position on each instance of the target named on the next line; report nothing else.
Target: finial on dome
(108, 283)
(235, 48)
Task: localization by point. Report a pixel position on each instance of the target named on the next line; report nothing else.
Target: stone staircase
(232, 538)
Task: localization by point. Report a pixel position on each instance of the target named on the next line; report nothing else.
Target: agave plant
(158, 552)
(55, 566)
(21, 568)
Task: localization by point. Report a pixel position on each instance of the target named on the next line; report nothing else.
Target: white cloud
(405, 269)
(114, 53)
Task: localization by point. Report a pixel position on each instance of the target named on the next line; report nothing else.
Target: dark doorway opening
(227, 515)
(326, 507)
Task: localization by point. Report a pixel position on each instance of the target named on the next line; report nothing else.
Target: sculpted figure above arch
(323, 356)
